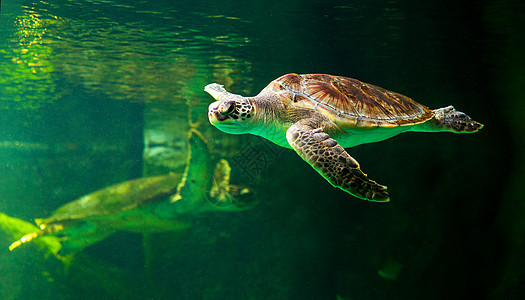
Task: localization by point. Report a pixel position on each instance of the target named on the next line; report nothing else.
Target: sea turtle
(319, 115)
(146, 205)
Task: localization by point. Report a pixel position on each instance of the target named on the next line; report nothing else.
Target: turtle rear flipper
(450, 119)
(333, 162)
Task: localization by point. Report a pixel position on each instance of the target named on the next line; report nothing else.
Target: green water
(97, 92)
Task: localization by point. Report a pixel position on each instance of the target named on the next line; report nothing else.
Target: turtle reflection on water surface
(319, 115)
(146, 205)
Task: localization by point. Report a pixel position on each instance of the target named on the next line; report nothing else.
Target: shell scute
(329, 95)
(317, 77)
(291, 82)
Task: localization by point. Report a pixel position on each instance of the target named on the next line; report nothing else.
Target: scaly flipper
(220, 188)
(333, 162)
(450, 119)
(199, 159)
(228, 197)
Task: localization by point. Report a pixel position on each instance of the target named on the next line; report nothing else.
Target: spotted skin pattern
(334, 163)
(237, 110)
(244, 111)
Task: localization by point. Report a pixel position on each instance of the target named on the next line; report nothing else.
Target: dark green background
(81, 81)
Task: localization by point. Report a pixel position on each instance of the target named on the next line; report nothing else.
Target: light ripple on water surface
(125, 51)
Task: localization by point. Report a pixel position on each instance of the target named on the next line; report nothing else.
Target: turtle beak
(219, 111)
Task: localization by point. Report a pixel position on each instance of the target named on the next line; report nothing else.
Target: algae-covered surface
(97, 92)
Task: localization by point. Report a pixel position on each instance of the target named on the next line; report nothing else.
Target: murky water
(93, 93)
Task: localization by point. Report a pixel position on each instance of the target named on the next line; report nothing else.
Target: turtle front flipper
(225, 196)
(44, 231)
(333, 162)
(220, 188)
(196, 173)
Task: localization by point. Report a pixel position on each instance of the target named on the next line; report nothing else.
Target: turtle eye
(227, 108)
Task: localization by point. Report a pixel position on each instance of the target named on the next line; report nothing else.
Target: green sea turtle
(146, 205)
(319, 115)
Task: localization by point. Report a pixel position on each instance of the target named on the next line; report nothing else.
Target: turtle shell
(349, 102)
(109, 202)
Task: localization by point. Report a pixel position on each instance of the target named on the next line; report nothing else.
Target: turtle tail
(452, 120)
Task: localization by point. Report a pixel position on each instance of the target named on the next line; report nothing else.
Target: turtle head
(230, 113)
(237, 198)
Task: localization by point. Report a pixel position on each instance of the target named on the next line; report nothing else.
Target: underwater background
(93, 93)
